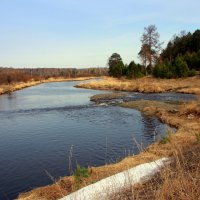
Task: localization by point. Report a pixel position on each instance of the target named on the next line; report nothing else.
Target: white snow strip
(104, 188)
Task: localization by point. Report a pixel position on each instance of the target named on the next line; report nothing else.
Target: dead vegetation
(191, 109)
(146, 85)
(178, 181)
(99, 97)
(8, 88)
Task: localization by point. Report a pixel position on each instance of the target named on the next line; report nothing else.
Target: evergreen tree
(181, 68)
(133, 70)
(186, 45)
(116, 66)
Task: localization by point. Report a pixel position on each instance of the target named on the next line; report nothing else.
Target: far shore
(147, 84)
(5, 89)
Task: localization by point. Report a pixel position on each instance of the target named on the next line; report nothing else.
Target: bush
(193, 60)
(177, 70)
(181, 68)
(167, 138)
(80, 173)
(164, 70)
(197, 135)
(192, 73)
(134, 71)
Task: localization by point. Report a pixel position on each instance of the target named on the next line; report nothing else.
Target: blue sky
(84, 33)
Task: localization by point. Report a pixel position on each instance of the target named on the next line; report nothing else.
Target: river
(40, 125)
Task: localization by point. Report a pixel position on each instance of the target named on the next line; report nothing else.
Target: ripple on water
(37, 135)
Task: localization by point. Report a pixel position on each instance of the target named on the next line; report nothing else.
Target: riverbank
(184, 116)
(178, 180)
(146, 85)
(4, 89)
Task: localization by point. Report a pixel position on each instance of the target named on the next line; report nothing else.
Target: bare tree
(145, 55)
(151, 46)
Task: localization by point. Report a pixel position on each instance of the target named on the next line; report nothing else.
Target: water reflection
(149, 127)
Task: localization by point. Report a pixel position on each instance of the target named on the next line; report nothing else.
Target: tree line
(12, 75)
(180, 58)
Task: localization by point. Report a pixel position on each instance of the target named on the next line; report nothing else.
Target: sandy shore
(21, 85)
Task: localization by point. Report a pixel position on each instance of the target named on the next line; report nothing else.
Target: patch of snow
(104, 188)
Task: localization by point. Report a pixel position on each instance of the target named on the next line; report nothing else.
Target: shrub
(164, 70)
(177, 70)
(80, 173)
(197, 135)
(134, 71)
(192, 73)
(166, 139)
(181, 68)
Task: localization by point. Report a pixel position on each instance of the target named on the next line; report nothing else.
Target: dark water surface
(39, 126)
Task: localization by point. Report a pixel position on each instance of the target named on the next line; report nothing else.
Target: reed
(178, 180)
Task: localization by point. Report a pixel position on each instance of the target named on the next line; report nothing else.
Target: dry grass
(147, 85)
(55, 191)
(191, 109)
(17, 86)
(185, 139)
(99, 97)
(21, 85)
(178, 181)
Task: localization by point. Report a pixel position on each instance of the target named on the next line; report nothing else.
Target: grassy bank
(21, 85)
(179, 180)
(185, 117)
(146, 85)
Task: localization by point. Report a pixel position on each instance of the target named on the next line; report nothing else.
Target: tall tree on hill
(116, 65)
(151, 46)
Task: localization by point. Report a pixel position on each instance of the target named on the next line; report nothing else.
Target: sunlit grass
(146, 84)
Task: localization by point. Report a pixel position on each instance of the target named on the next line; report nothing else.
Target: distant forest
(11, 75)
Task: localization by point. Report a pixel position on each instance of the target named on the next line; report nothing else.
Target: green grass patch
(167, 138)
(80, 173)
(197, 135)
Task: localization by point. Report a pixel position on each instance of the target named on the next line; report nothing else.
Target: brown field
(21, 85)
(146, 85)
(186, 118)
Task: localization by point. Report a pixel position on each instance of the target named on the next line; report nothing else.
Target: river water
(41, 125)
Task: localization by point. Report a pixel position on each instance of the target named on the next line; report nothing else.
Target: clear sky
(84, 33)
